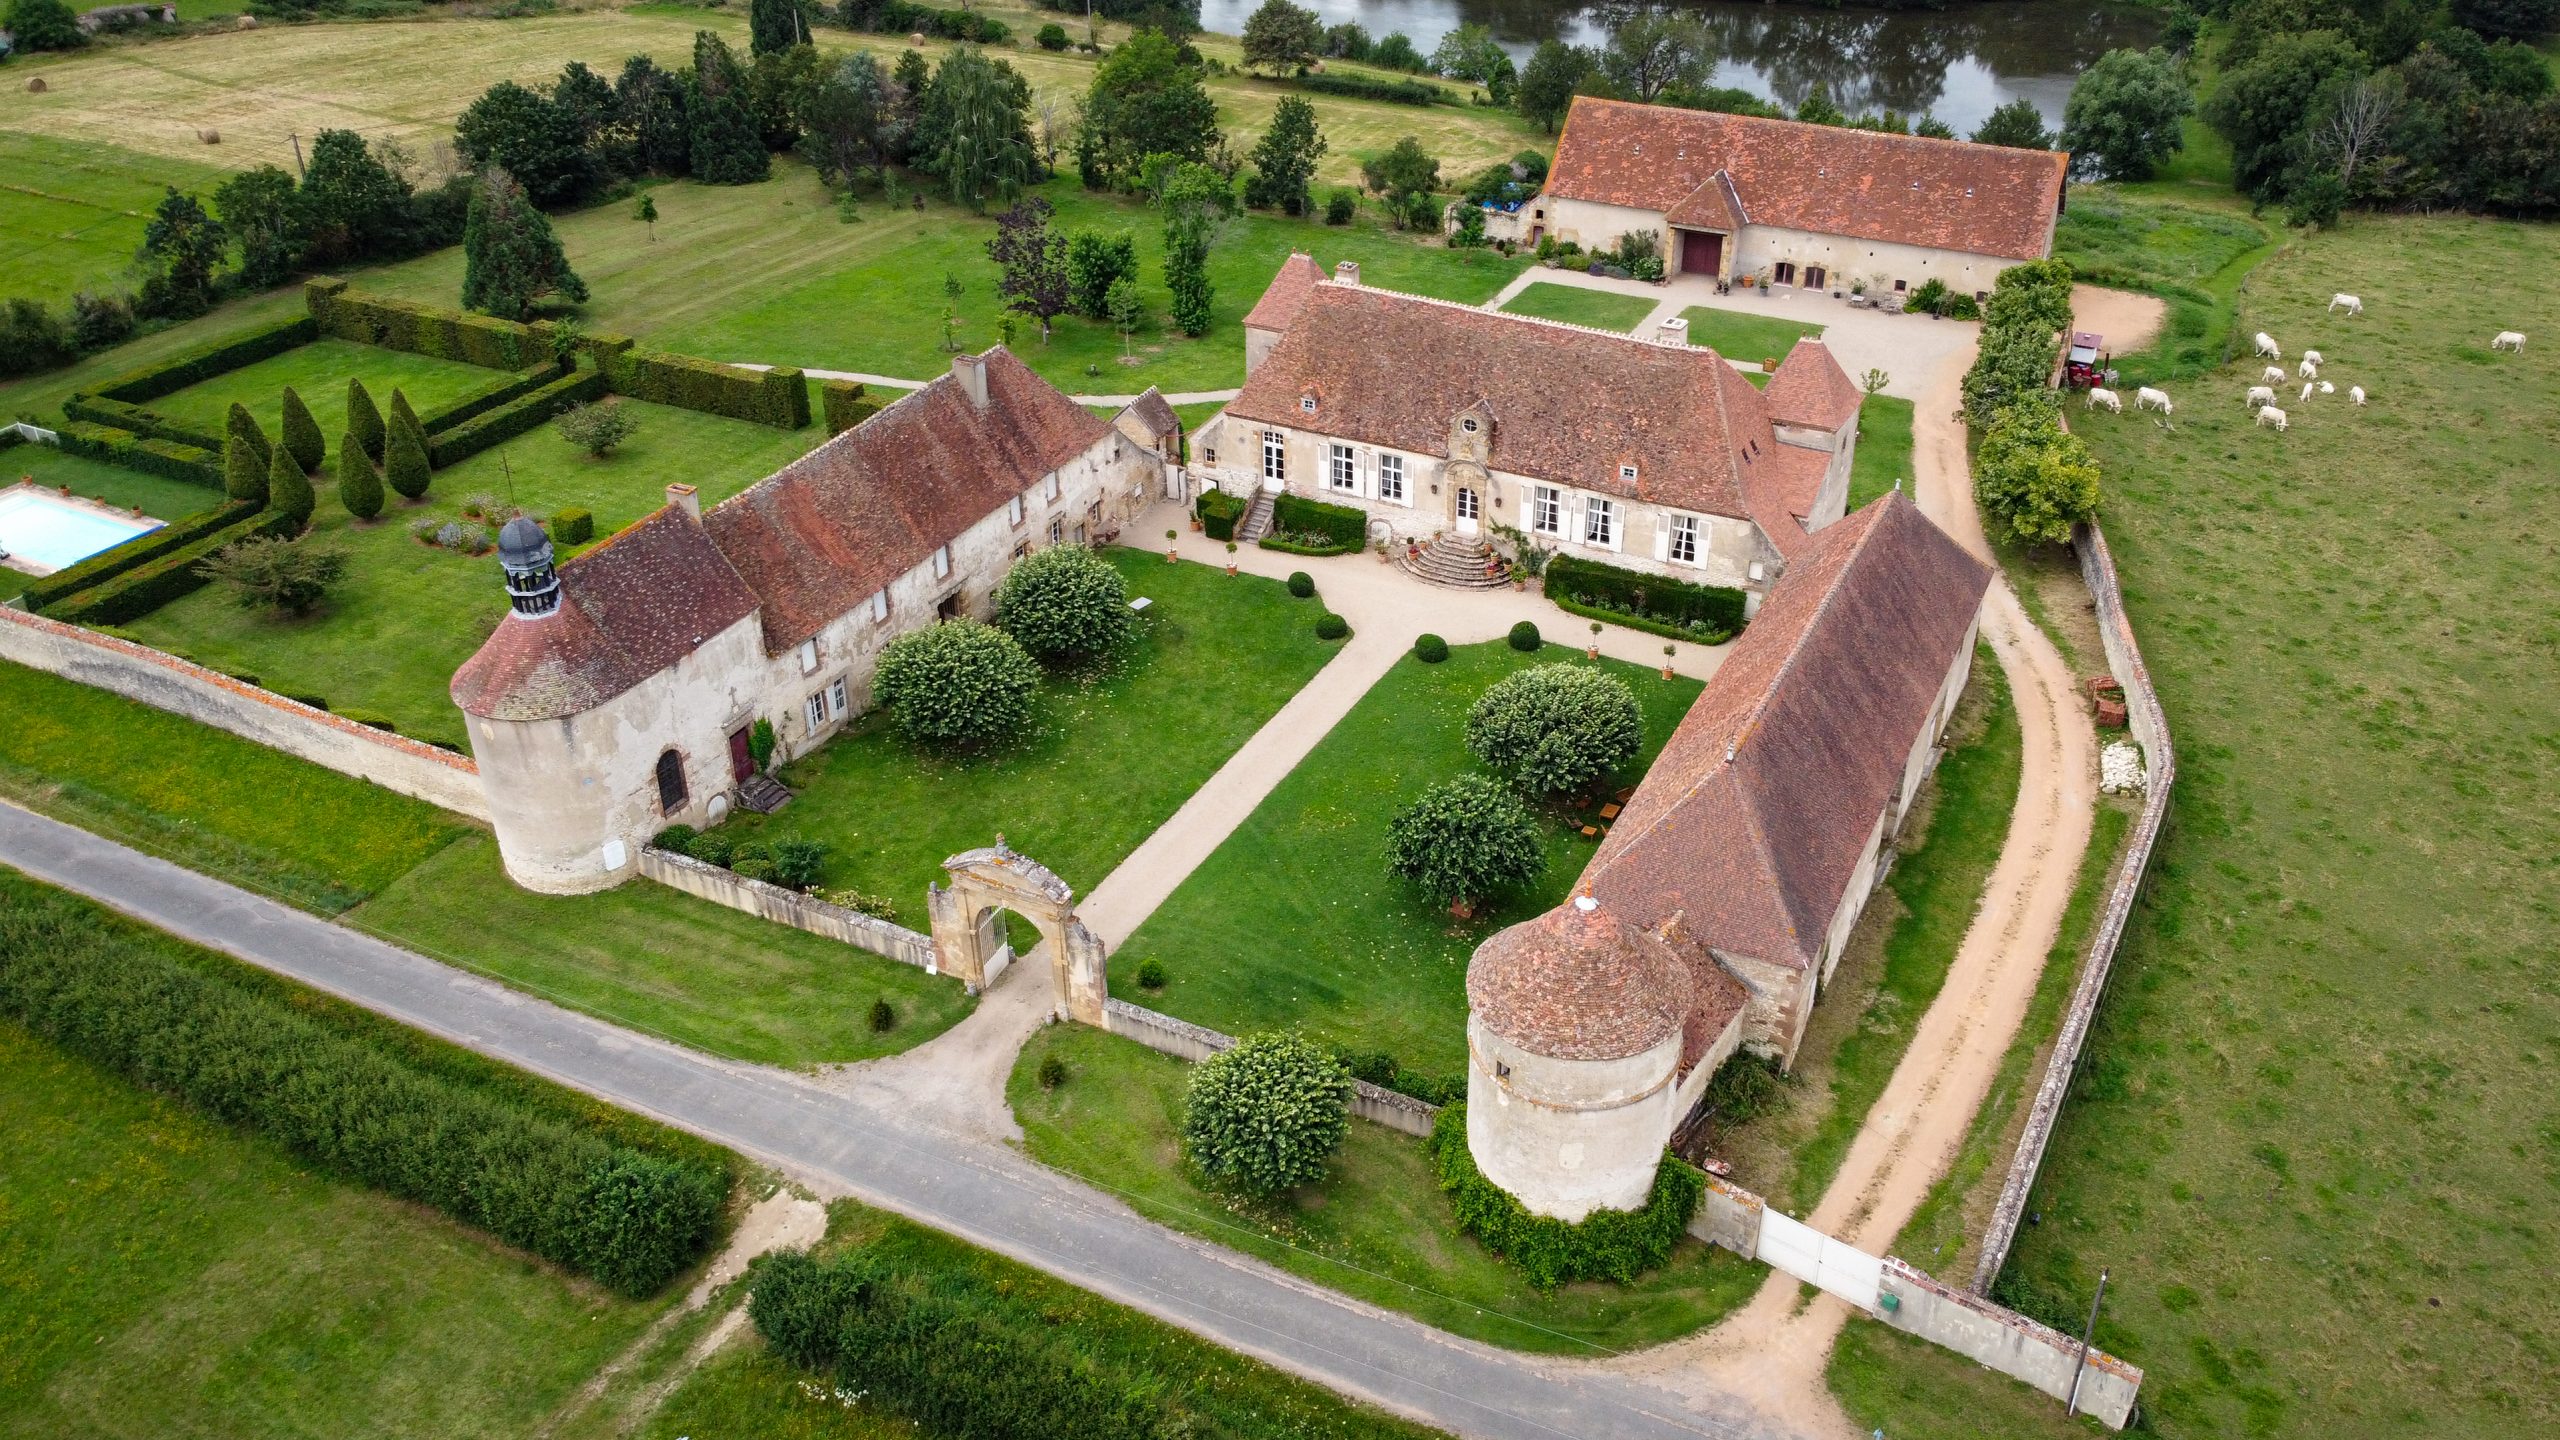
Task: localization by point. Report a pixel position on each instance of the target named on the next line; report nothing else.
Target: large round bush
(1555, 727)
(1465, 839)
(957, 684)
(1268, 1113)
(1524, 636)
(1064, 603)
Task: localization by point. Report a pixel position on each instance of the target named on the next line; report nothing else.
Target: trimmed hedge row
(846, 404)
(1605, 1245)
(1219, 512)
(215, 357)
(147, 587)
(125, 415)
(1703, 635)
(430, 330)
(903, 17)
(165, 458)
(489, 397)
(777, 397)
(1344, 528)
(1370, 87)
(630, 1220)
(1631, 596)
(108, 564)
(526, 412)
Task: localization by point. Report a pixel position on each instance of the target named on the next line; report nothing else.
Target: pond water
(1959, 63)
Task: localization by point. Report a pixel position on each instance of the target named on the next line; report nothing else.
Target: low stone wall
(1728, 1215)
(2150, 727)
(163, 681)
(2010, 1343)
(786, 907)
(1186, 1041)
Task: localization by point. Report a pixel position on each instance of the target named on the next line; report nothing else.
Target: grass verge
(1600, 309)
(1738, 335)
(1884, 449)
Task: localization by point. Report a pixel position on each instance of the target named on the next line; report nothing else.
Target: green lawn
(1214, 657)
(1377, 1228)
(2192, 252)
(160, 498)
(320, 372)
(1884, 448)
(1739, 335)
(1893, 1384)
(654, 959)
(209, 800)
(390, 636)
(1295, 921)
(72, 215)
(1600, 309)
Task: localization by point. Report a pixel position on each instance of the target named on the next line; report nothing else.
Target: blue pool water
(46, 532)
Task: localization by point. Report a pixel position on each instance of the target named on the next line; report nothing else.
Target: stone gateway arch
(968, 933)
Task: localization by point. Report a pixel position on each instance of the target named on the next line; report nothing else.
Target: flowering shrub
(1268, 1113)
(959, 684)
(1465, 839)
(1064, 603)
(1555, 727)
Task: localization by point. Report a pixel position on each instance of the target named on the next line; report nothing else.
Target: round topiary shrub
(1301, 584)
(1330, 626)
(1464, 840)
(1555, 727)
(1524, 636)
(1151, 974)
(957, 684)
(1052, 1073)
(1064, 603)
(1267, 1114)
(1430, 649)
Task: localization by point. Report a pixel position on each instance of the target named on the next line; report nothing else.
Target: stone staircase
(1462, 562)
(1257, 519)
(763, 794)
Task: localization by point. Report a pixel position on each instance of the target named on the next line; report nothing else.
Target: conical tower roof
(1578, 983)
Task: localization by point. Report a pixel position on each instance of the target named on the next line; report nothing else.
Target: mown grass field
(1751, 339)
(319, 373)
(1376, 1228)
(1295, 920)
(1600, 309)
(2314, 1136)
(1884, 448)
(72, 215)
(2188, 245)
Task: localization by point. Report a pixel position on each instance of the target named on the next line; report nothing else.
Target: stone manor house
(1737, 198)
(1437, 417)
(619, 694)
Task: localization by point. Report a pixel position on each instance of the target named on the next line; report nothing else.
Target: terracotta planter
(1595, 652)
(1463, 909)
(1231, 569)
(1195, 524)
(1172, 557)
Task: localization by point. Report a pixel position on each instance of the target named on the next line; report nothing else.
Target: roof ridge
(1733, 117)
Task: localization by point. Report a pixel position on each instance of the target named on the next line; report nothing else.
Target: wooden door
(742, 757)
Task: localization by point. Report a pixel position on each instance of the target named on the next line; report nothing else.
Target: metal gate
(1817, 1259)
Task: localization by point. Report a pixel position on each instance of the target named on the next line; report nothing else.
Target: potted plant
(1667, 652)
(1170, 554)
(1231, 557)
(1519, 576)
(1595, 639)
(1386, 555)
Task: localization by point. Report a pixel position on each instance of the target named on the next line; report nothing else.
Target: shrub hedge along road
(1604, 1245)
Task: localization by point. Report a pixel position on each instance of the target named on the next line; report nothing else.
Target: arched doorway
(969, 932)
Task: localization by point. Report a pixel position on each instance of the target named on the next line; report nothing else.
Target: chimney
(1346, 272)
(685, 498)
(971, 372)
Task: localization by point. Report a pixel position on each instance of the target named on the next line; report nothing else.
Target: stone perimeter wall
(2150, 727)
(1186, 1041)
(706, 881)
(163, 681)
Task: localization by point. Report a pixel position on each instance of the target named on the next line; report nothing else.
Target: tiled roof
(1287, 292)
(1396, 370)
(629, 607)
(1810, 389)
(832, 528)
(1714, 205)
(1154, 414)
(1578, 984)
(1745, 833)
(1908, 189)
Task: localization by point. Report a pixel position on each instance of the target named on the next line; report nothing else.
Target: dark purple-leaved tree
(1033, 258)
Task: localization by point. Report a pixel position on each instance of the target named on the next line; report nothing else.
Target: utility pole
(297, 157)
(2071, 1405)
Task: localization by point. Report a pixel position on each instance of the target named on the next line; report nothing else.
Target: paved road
(837, 1144)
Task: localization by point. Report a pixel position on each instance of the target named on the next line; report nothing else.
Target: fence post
(2071, 1403)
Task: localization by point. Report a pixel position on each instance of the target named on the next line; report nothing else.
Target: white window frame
(1342, 469)
(1391, 479)
(1600, 523)
(880, 607)
(942, 562)
(815, 707)
(1275, 456)
(1307, 403)
(1057, 529)
(1546, 510)
(1684, 534)
(1055, 486)
(808, 657)
(837, 697)
(1014, 510)
(1627, 473)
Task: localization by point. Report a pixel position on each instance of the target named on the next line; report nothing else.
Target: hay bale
(210, 137)
(36, 86)
(916, 39)
(246, 22)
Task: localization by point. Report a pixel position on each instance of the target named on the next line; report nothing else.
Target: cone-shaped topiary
(302, 434)
(401, 414)
(288, 489)
(364, 421)
(244, 475)
(407, 469)
(245, 425)
(359, 488)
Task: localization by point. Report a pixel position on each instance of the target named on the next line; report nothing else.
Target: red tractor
(2085, 363)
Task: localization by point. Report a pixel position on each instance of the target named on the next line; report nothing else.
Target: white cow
(2260, 395)
(2270, 415)
(2328, 389)
(2353, 305)
(2309, 369)
(2308, 389)
(2355, 394)
(2267, 346)
(2509, 340)
(2147, 398)
(2100, 395)
(2273, 375)
(2314, 357)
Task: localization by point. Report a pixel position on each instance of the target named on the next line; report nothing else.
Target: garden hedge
(1219, 512)
(125, 415)
(489, 397)
(430, 330)
(1369, 87)
(893, 17)
(1605, 1245)
(167, 459)
(777, 397)
(572, 526)
(1344, 529)
(1677, 608)
(107, 564)
(251, 1057)
(529, 411)
(147, 587)
(847, 405)
(215, 357)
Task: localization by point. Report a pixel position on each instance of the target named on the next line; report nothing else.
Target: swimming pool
(41, 531)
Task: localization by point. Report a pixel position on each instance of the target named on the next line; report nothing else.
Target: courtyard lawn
(2312, 1134)
(320, 371)
(654, 959)
(75, 215)
(206, 799)
(1884, 448)
(1215, 656)
(389, 637)
(1600, 309)
(1295, 920)
(1376, 1228)
(1739, 335)
(160, 498)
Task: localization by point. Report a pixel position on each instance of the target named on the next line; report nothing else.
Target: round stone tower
(1573, 1052)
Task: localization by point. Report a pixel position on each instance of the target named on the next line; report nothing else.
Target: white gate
(1817, 1259)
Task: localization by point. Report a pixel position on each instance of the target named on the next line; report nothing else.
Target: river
(1958, 63)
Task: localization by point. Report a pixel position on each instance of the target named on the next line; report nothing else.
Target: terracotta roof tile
(1578, 984)
(1287, 292)
(1155, 414)
(1809, 388)
(1714, 205)
(1908, 189)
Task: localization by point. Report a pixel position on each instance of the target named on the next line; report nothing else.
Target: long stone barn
(1719, 903)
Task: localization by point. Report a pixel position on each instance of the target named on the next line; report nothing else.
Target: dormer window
(1468, 424)
(1307, 403)
(1627, 473)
